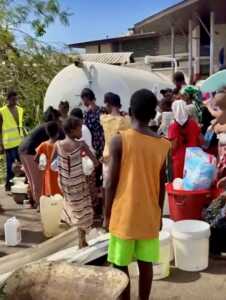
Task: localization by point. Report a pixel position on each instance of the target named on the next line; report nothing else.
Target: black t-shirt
(36, 137)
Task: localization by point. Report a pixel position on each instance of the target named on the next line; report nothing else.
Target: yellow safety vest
(12, 133)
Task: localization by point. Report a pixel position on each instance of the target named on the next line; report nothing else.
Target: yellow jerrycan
(50, 210)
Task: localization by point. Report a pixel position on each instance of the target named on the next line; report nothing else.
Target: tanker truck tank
(101, 78)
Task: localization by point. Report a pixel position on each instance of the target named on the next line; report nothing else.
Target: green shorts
(122, 252)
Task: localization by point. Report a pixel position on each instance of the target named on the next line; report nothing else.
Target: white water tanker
(101, 78)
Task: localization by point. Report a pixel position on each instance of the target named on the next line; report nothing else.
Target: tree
(28, 67)
(37, 13)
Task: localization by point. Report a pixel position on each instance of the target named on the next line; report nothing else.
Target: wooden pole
(212, 33)
(196, 50)
(173, 47)
(190, 62)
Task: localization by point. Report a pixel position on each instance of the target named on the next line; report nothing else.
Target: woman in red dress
(183, 132)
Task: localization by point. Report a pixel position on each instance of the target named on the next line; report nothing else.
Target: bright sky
(96, 19)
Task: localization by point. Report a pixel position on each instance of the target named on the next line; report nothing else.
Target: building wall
(106, 48)
(140, 48)
(92, 49)
(181, 44)
(219, 43)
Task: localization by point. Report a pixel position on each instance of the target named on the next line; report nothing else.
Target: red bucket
(188, 205)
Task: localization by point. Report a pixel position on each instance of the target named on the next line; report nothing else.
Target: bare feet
(82, 239)
(83, 244)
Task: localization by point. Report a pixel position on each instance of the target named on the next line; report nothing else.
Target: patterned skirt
(77, 209)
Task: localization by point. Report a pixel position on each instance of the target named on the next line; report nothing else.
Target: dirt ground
(30, 222)
(207, 285)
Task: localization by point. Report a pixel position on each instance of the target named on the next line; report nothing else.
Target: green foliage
(2, 177)
(30, 76)
(39, 27)
(38, 13)
(29, 68)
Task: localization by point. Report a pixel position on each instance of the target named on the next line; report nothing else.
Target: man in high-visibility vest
(11, 133)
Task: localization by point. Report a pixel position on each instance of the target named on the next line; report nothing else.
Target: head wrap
(180, 112)
(190, 90)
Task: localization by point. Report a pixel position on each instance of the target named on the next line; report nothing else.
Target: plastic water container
(50, 210)
(167, 225)
(19, 192)
(87, 166)
(191, 245)
(166, 211)
(162, 269)
(20, 188)
(12, 232)
(54, 165)
(42, 162)
(18, 180)
(178, 184)
(188, 205)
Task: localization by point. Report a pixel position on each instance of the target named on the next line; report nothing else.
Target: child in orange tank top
(134, 203)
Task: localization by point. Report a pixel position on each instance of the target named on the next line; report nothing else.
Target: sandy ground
(207, 285)
(30, 223)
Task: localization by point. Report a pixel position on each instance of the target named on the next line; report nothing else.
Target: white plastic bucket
(162, 269)
(18, 180)
(191, 245)
(167, 225)
(20, 188)
(166, 206)
(50, 210)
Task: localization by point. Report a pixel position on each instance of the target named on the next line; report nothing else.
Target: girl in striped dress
(77, 205)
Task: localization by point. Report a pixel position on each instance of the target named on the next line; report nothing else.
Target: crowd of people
(85, 132)
(129, 155)
(186, 119)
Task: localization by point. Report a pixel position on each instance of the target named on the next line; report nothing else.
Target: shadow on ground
(217, 267)
(21, 214)
(179, 276)
(29, 238)
(32, 237)
(3, 254)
